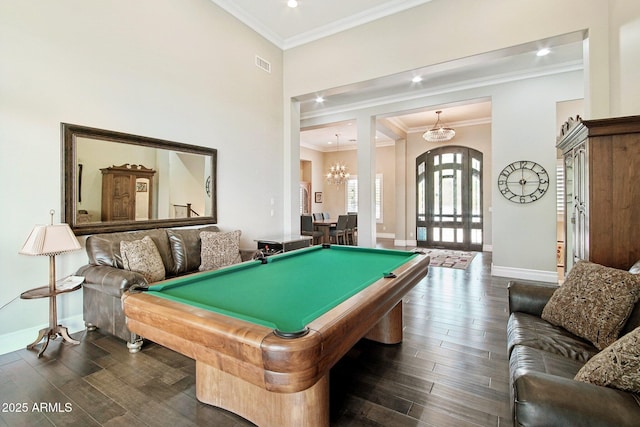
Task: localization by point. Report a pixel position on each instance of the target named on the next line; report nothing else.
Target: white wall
(524, 128)
(624, 34)
(426, 35)
(182, 71)
(188, 182)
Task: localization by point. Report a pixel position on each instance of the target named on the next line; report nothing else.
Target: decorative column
(366, 181)
(401, 193)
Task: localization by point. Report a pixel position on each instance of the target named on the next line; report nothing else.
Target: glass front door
(449, 198)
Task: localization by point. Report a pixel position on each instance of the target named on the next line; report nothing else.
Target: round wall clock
(523, 181)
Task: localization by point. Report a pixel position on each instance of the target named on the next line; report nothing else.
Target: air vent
(263, 63)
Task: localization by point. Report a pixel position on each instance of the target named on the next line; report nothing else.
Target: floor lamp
(50, 240)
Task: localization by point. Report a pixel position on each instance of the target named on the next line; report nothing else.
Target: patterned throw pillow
(219, 249)
(594, 302)
(616, 366)
(142, 256)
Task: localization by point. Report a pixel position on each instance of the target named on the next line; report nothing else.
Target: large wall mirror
(115, 181)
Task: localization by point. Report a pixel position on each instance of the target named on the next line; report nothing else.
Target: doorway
(449, 198)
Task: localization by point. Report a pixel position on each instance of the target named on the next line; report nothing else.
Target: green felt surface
(289, 291)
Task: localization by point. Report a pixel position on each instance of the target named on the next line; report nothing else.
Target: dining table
(325, 225)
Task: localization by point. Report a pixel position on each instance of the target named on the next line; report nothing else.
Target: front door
(449, 198)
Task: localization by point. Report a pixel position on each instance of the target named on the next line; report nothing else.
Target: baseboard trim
(525, 274)
(414, 243)
(405, 243)
(386, 235)
(20, 339)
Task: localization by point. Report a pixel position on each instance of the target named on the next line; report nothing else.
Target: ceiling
(313, 19)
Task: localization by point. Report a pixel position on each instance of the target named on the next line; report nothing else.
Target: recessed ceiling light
(319, 99)
(416, 79)
(543, 52)
(292, 3)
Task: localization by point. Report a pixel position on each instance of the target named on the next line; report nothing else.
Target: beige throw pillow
(142, 256)
(219, 249)
(594, 302)
(616, 366)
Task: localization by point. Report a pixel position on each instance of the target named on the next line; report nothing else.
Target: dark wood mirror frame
(71, 132)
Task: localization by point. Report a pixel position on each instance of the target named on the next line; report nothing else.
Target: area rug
(449, 258)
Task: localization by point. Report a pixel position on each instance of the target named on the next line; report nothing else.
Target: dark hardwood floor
(451, 370)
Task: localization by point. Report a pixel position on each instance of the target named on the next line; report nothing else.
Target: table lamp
(50, 240)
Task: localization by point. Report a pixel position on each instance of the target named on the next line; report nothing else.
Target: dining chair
(352, 227)
(317, 216)
(326, 215)
(340, 230)
(306, 229)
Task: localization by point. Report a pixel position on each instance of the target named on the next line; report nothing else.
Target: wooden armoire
(119, 187)
(602, 203)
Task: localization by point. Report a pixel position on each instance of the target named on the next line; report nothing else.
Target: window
(560, 188)
(305, 198)
(352, 196)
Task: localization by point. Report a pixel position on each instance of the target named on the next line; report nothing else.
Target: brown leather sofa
(106, 279)
(544, 359)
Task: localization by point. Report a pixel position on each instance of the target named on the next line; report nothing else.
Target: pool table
(265, 333)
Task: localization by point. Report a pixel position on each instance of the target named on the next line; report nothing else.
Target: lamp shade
(50, 240)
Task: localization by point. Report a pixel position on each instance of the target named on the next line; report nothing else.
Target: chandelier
(439, 132)
(338, 173)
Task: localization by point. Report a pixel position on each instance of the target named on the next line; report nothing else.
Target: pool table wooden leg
(265, 408)
(388, 330)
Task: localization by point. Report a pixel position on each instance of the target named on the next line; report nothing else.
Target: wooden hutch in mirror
(127, 193)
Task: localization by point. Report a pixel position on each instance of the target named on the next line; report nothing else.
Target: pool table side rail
(253, 352)
(229, 344)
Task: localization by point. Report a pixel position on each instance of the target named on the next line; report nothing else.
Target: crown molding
(230, 7)
(453, 125)
(347, 147)
(364, 17)
(330, 148)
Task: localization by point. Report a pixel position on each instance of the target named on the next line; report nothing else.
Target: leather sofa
(543, 361)
(106, 279)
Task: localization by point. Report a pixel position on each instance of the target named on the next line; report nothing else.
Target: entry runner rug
(448, 258)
